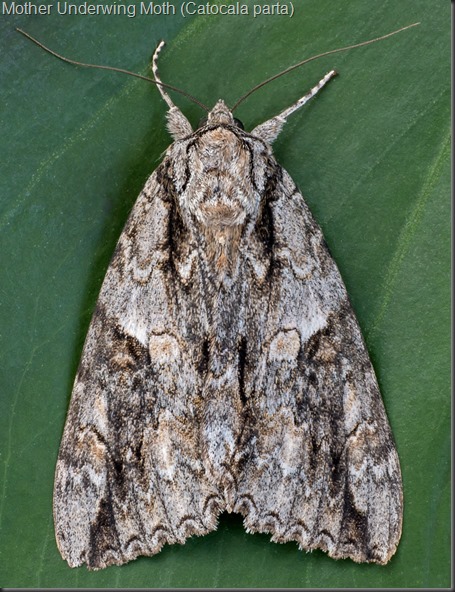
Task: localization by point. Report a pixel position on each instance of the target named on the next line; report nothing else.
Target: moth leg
(269, 130)
(156, 77)
(285, 114)
(177, 124)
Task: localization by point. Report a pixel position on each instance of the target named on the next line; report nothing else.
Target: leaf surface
(372, 157)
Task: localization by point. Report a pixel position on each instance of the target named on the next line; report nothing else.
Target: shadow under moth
(224, 370)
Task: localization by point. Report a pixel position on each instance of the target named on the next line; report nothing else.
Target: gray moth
(224, 370)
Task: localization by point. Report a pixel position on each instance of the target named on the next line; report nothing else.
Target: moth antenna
(319, 55)
(121, 70)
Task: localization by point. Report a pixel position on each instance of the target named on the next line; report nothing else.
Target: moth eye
(238, 123)
(202, 122)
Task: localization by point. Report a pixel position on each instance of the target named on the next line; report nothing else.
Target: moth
(224, 369)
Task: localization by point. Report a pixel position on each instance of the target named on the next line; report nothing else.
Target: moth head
(220, 114)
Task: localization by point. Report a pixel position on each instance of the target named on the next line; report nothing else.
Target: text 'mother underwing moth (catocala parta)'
(224, 370)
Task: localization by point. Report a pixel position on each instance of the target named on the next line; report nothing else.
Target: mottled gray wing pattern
(317, 462)
(224, 369)
(129, 476)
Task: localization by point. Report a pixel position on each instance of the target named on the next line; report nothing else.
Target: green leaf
(372, 156)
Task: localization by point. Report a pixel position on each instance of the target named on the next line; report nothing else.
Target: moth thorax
(222, 224)
(221, 189)
(221, 214)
